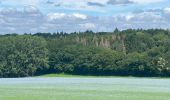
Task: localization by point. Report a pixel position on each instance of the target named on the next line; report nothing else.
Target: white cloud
(82, 16)
(143, 17)
(59, 16)
(88, 26)
(8, 11)
(78, 5)
(2, 20)
(128, 17)
(167, 10)
(146, 1)
(119, 2)
(22, 2)
(54, 16)
(33, 20)
(82, 1)
(166, 13)
(31, 9)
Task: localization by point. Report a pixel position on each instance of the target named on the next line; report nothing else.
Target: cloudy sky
(31, 16)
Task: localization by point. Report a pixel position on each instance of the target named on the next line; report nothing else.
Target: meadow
(84, 88)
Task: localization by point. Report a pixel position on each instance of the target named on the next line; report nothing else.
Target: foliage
(128, 52)
(22, 56)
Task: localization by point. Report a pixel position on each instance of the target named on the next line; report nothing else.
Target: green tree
(23, 55)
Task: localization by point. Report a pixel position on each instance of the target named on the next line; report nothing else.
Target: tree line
(124, 53)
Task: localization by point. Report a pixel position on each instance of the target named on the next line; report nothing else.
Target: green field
(84, 88)
(78, 76)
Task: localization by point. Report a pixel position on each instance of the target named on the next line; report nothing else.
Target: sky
(32, 16)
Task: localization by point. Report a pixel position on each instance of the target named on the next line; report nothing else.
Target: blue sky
(31, 16)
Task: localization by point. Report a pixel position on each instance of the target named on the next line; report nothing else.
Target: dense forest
(131, 52)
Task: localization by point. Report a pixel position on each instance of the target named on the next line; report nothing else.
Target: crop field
(77, 88)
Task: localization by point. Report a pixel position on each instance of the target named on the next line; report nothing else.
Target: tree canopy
(128, 52)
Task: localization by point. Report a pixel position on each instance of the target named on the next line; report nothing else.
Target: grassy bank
(78, 76)
(63, 75)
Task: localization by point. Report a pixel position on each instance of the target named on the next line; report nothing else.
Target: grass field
(84, 88)
(78, 76)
